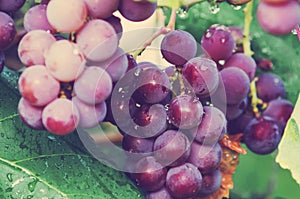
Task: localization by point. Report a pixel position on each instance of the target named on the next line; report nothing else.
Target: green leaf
(288, 155)
(34, 164)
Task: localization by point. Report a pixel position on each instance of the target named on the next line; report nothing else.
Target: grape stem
(162, 31)
(247, 22)
(255, 101)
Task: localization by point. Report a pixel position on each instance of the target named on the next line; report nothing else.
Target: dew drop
(32, 185)
(52, 138)
(182, 13)
(208, 34)
(29, 197)
(236, 7)
(9, 177)
(294, 31)
(214, 8)
(137, 72)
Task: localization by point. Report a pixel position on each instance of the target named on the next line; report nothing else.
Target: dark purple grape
(239, 124)
(236, 84)
(184, 181)
(280, 110)
(264, 64)
(149, 174)
(218, 42)
(233, 111)
(160, 194)
(116, 24)
(262, 135)
(137, 145)
(2, 60)
(244, 62)
(202, 74)
(211, 182)
(11, 5)
(212, 127)
(178, 46)
(206, 158)
(131, 62)
(270, 86)
(45, 2)
(137, 10)
(185, 111)
(7, 30)
(154, 85)
(171, 148)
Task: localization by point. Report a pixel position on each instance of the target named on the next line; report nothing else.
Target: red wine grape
(7, 30)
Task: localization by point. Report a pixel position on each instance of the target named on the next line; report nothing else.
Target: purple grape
(236, 84)
(239, 124)
(7, 30)
(30, 115)
(45, 2)
(218, 42)
(137, 145)
(270, 86)
(211, 182)
(244, 62)
(202, 74)
(154, 85)
(137, 10)
(233, 111)
(160, 194)
(171, 148)
(264, 64)
(262, 135)
(11, 6)
(178, 46)
(185, 111)
(280, 110)
(184, 181)
(149, 174)
(206, 158)
(279, 18)
(212, 127)
(36, 19)
(131, 62)
(115, 22)
(2, 60)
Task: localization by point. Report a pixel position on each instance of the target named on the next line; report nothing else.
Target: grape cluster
(72, 59)
(171, 119)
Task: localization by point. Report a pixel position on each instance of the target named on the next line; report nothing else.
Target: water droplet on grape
(137, 72)
(52, 138)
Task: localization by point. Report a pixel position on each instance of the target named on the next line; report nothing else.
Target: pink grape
(116, 65)
(93, 86)
(37, 86)
(33, 46)
(67, 15)
(101, 8)
(64, 60)
(7, 30)
(98, 40)
(90, 116)
(30, 115)
(60, 117)
(278, 18)
(36, 19)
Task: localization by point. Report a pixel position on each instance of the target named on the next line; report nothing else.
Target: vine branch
(247, 22)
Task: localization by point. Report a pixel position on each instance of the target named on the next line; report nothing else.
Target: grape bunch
(172, 118)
